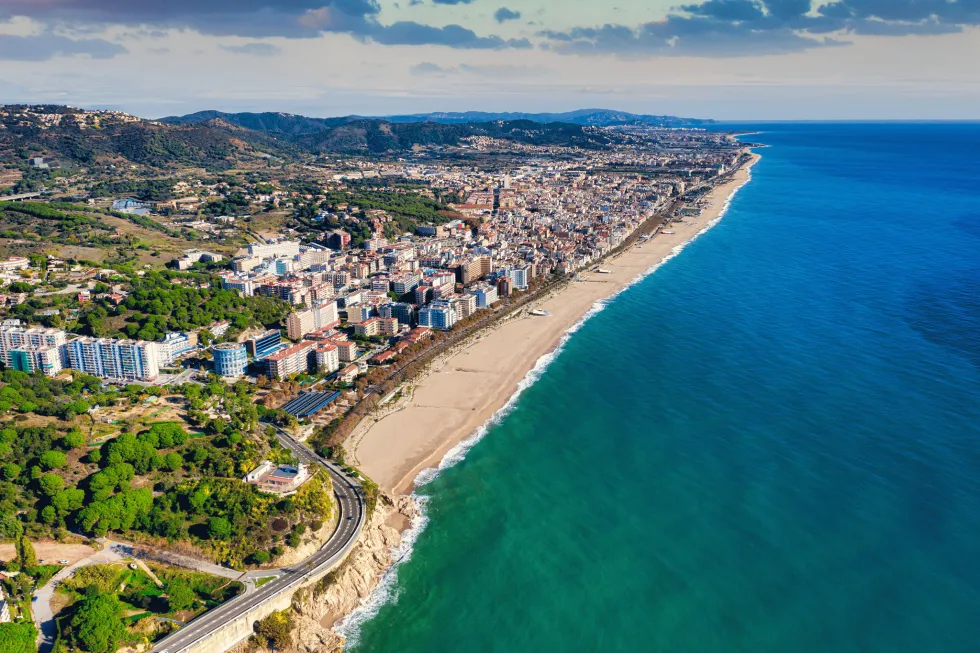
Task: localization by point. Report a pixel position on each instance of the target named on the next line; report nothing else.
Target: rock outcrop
(316, 609)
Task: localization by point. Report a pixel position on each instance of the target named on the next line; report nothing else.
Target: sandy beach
(465, 388)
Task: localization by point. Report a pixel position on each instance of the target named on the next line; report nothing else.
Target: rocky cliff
(316, 609)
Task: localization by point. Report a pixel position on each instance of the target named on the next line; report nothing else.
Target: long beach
(464, 389)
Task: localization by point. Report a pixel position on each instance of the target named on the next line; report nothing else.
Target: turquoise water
(769, 445)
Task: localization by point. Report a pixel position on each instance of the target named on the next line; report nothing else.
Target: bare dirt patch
(51, 552)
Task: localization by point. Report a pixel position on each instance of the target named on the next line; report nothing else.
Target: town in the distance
(197, 312)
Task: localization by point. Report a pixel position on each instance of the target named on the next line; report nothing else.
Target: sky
(722, 59)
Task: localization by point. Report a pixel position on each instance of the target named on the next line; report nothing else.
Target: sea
(771, 444)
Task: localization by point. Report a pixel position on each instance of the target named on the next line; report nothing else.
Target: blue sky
(727, 59)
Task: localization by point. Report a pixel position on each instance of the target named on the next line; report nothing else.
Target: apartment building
(485, 294)
(388, 325)
(47, 360)
(368, 328)
(117, 360)
(403, 312)
(440, 314)
(13, 336)
(465, 305)
(405, 283)
(292, 360)
(299, 323)
(327, 358)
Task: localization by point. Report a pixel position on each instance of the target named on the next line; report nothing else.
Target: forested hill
(75, 137)
(376, 135)
(286, 123)
(217, 141)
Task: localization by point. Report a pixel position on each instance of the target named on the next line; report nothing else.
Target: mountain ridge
(290, 123)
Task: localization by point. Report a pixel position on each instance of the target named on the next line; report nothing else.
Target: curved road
(353, 513)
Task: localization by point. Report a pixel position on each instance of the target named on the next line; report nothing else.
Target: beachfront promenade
(230, 623)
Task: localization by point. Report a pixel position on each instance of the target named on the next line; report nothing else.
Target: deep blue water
(770, 445)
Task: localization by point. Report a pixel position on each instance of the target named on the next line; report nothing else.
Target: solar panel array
(310, 403)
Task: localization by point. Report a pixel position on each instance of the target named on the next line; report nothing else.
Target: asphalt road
(353, 512)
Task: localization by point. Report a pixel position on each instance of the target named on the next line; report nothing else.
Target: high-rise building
(520, 277)
(440, 314)
(14, 336)
(292, 360)
(474, 269)
(265, 344)
(346, 349)
(299, 323)
(230, 358)
(405, 283)
(401, 311)
(327, 358)
(285, 248)
(338, 240)
(117, 360)
(465, 305)
(485, 294)
(359, 313)
(47, 360)
(389, 326)
(176, 344)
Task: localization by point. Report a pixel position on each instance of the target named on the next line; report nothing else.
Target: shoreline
(469, 423)
(469, 389)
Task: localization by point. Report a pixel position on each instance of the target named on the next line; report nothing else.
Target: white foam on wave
(386, 590)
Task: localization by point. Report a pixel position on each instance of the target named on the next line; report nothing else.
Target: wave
(386, 590)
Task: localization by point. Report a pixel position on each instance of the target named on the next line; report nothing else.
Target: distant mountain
(291, 124)
(269, 122)
(376, 135)
(216, 141)
(585, 117)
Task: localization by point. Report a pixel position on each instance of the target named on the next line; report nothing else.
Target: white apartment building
(465, 305)
(485, 293)
(327, 358)
(48, 360)
(288, 248)
(440, 314)
(289, 361)
(245, 286)
(117, 360)
(14, 336)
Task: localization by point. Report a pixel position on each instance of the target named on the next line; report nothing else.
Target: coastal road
(353, 513)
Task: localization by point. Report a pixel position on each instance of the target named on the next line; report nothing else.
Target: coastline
(406, 446)
(467, 390)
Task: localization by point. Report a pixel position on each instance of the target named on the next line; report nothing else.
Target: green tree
(181, 597)
(74, 440)
(275, 630)
(11, 471)
(18, 638)
(51, 484)
(219, 528)
(25, 554)
(172, 461)
(97, 626)
(53, 459)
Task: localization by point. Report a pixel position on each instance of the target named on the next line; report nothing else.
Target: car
(350, 518)
(63, 562)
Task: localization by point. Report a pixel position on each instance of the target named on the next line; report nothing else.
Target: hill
(75, 137)
(291, 124)
(584, 117)
(218, 141)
